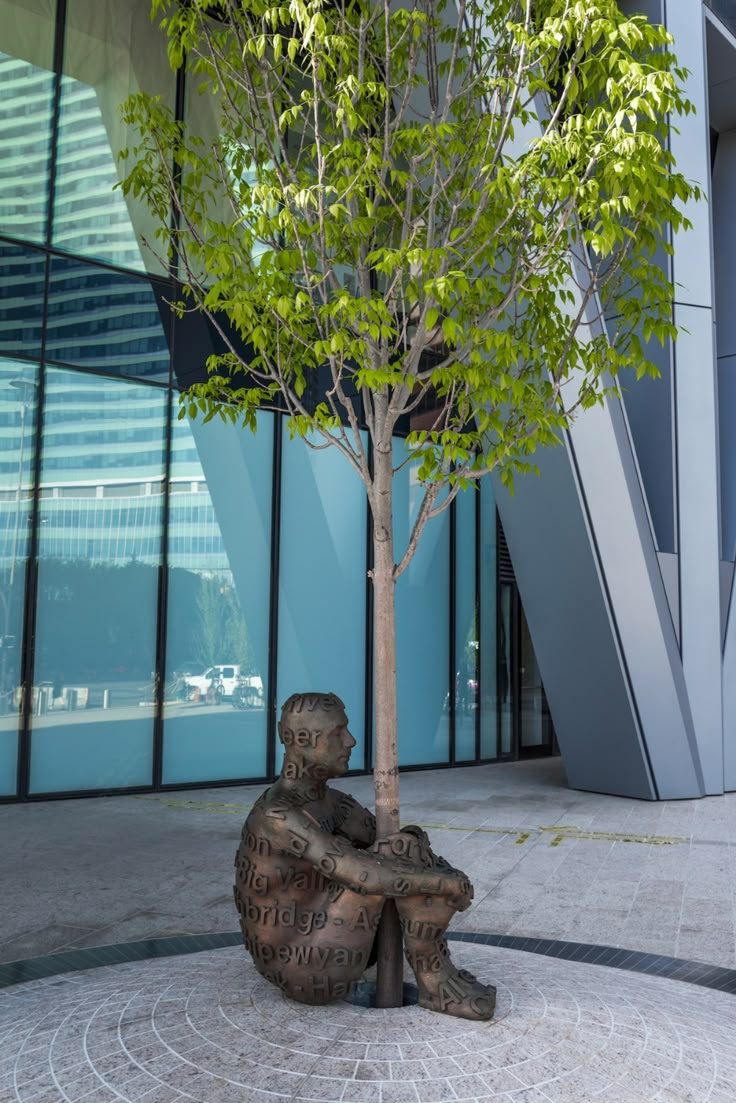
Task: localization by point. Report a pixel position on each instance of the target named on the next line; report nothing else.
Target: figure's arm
(354, 822)
(360, 870)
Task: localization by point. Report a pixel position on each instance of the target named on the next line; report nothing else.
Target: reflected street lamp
(27, 389)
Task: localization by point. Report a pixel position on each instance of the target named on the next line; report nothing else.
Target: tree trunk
(389, 984)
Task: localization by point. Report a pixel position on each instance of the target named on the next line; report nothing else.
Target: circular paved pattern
(206, 1027)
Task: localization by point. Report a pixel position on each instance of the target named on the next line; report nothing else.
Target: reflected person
(312, 879)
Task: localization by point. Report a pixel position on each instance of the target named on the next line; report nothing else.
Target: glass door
(507, 618)
(524, 721)
(535, 723)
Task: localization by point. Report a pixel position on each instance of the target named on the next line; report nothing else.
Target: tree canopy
(434, 202)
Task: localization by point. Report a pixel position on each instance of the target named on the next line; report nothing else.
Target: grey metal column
(587, 570)
(696, 411)
(724, 221)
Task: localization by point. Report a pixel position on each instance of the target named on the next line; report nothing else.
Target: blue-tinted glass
(18, 391)
(21, 300)
(495, 678)
(111, 50)
(101, 519)
(422, 626)
(107, 320)
(322, 598)
(466, 627)
(218, 602)
(26, 99)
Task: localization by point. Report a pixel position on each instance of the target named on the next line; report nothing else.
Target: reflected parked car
(229, 674)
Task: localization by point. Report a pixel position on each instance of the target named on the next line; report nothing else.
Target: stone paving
(546, 862)
(206, 1027)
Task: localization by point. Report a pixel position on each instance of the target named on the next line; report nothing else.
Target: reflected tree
(222, 634)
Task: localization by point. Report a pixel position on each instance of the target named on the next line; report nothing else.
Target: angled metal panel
(696, 410)
(574, 638)
(633, 717)
(722, 58)
(724, 226)
(699, 559)
(594, 598)
(729, 698)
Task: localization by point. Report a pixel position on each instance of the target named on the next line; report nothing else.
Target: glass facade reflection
(26, 108)
(99, 560)
(164, 585)
(422, 627)
(322, 594)
(110, 52)
(493, 669)
(18, 413)
(467, 644)
(22, 276)
(107, 320)
(219, 552)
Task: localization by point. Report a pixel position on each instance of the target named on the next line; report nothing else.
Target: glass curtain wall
(322, 582)
(219, 554)
(100, 553)
(18, 411)
(422, 625)
(26, 109)
(178, 591)
(110, 51)
(495, 670)
(467, 642)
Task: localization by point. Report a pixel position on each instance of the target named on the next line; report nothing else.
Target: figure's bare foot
(457, 992)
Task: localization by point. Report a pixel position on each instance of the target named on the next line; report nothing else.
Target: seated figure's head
(314, 731)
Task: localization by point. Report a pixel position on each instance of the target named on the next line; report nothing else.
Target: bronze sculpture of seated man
(312, 878)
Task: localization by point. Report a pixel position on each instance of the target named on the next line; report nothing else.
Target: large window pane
(534, 720)
(323, 581)
(218, 602)
(99, 556)
(21, 300)
(495, 676)
(18, 390)
(26, 98)
(110, 51)
(422, 627)
(466, 627)
(107, 320)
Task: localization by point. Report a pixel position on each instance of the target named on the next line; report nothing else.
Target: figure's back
(296, 924)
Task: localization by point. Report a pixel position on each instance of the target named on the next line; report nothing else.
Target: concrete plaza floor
(546, 862)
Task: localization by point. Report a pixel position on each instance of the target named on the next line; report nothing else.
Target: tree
(458, 208)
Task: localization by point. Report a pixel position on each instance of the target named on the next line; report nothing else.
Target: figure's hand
(459, 889)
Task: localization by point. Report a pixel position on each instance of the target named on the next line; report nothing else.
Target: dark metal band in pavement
(691, 972)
